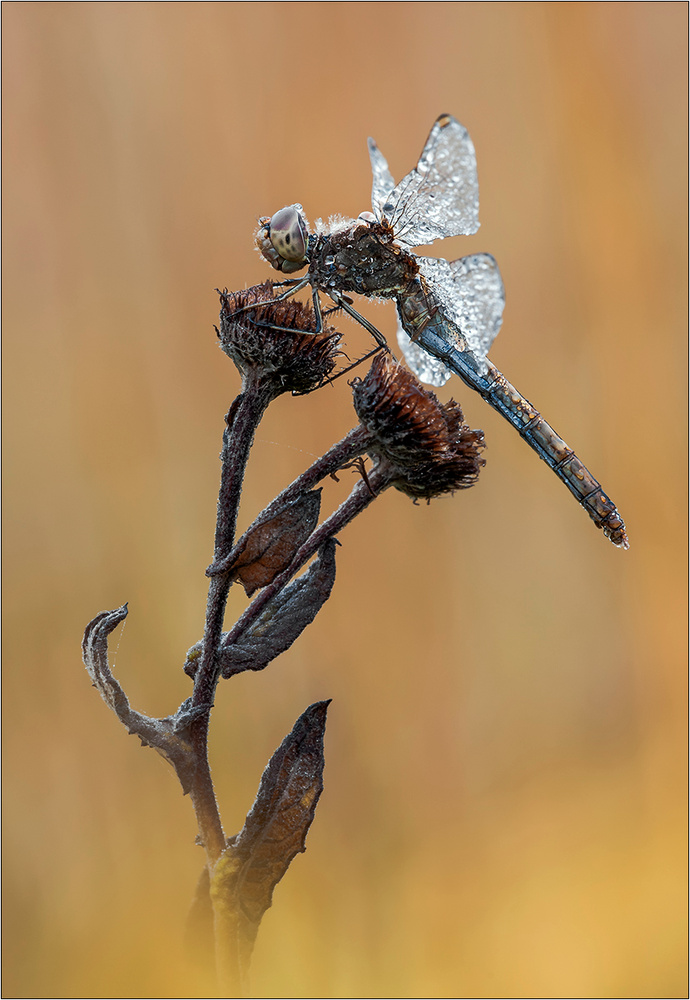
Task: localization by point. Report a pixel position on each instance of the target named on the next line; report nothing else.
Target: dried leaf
(284, 618)
(269, 547)
(95, 655)
(169, 736)
(274, 832)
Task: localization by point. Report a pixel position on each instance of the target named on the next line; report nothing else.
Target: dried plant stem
(418, 446)
(352, 445)
(242, 420)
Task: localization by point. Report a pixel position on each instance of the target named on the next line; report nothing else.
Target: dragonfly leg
(297, 284)
(359, 361)
(344, 303)
(317, 313)
(334, 378)
(338, 305)
(288, 281)
(316, 301)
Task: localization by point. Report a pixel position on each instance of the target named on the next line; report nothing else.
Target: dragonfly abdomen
(425, 323)
(530, 424)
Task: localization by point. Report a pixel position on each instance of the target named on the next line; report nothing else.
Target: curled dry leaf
(94, 650)
(274, 832)
(268, 547)
(282, 622)
(169, 736)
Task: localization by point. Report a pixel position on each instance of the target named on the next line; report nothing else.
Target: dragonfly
(449, 312)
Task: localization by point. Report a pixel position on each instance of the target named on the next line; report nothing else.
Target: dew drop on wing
(428, 369)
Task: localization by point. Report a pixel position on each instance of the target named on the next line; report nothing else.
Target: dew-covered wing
(383, 182)
(426, 367)
(479, 289)
(469, 292)
(440, 197)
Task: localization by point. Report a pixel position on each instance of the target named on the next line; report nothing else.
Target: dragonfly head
(284, 239)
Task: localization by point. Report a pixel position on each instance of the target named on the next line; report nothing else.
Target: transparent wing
(470, 296)
(383, 179)
(440, 197)
(479, 289)
(428, 369)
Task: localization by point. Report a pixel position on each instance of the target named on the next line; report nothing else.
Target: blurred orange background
(504, 812)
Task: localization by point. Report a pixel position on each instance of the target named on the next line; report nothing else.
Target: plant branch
(360, 498)
(242, 420)
(353, 444)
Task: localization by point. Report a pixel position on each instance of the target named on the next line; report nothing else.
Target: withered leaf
(274, 832)
(94, 649)
(268, 548)
(169, 736)
(284, 618)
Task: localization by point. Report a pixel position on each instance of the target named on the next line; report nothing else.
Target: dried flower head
(274, 340)
(430, 447)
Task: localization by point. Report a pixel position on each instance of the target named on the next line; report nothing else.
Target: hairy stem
(353, 444)
(242, 420)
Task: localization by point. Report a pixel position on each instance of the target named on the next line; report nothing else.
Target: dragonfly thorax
(360, 257)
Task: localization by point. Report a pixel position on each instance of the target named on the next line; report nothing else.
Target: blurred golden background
(504, 812)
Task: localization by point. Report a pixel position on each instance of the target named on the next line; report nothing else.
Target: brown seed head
(273, 340)
(431, 448)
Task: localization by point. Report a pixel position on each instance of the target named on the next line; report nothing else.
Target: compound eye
(288, 230)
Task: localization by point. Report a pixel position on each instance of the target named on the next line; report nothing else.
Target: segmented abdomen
(530, 424)
(426, 324)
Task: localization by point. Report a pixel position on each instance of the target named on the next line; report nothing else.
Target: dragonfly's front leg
(297, 287)
(317, 312)
(297, 284)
